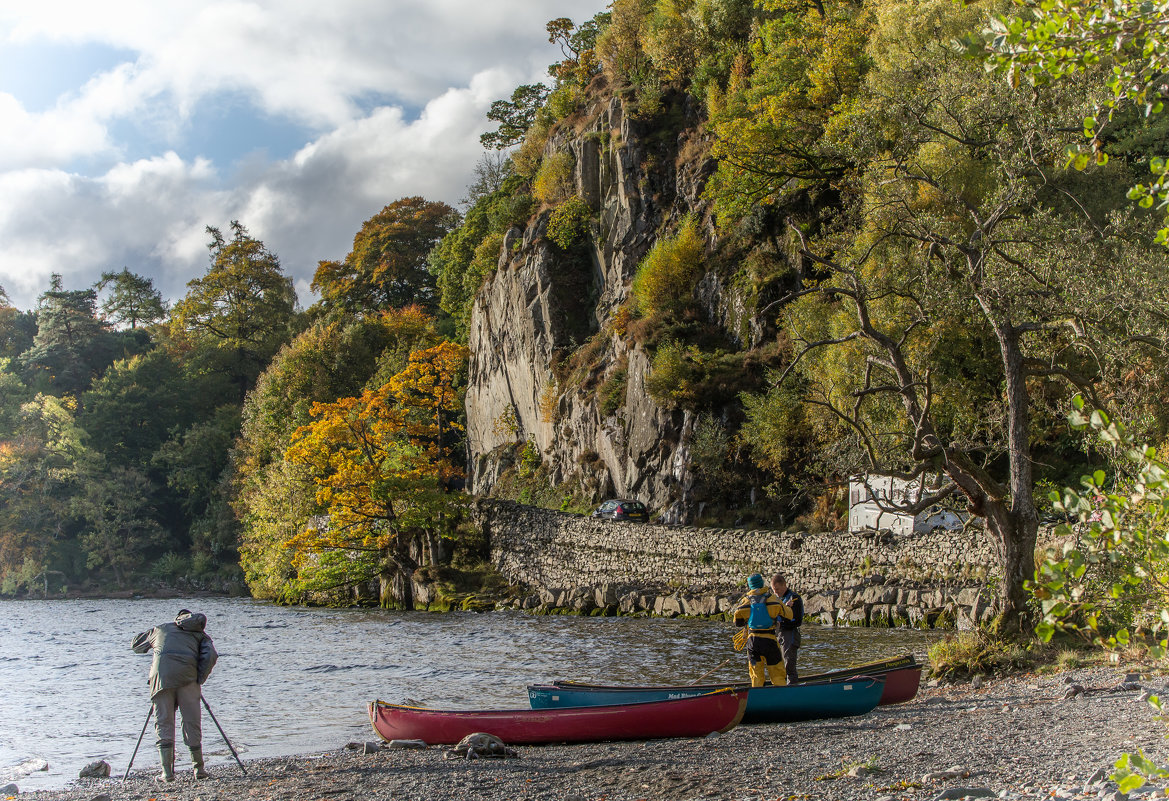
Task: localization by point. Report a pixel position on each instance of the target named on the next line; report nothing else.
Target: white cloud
(312, 63)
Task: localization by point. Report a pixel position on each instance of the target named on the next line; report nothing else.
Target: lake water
(294, 680)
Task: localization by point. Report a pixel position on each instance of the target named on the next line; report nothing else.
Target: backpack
(761, 617)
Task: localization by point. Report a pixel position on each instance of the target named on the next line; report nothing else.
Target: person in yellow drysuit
(759, 610)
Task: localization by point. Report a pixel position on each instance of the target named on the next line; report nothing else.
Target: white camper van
(872, 502)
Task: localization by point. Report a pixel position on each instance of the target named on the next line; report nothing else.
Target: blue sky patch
(37, 74)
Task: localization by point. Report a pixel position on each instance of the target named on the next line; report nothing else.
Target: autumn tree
(373, 459)
(132, 299)
(387, 266)
(972, 282)
(241, 310)
(273, 497)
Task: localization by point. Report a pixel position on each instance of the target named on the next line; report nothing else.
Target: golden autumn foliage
(382, 461)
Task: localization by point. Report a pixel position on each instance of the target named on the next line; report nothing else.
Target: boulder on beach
(96, 770)
(480, 746)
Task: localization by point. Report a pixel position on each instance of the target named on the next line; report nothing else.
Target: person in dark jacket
(183, 658)
(789, 630)
(758, 611)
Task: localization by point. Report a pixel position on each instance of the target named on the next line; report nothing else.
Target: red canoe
(698, 716)
(902, 677)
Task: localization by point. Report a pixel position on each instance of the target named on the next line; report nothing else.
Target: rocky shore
(1022, 737)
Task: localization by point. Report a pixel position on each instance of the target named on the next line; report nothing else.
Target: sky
(126, 128)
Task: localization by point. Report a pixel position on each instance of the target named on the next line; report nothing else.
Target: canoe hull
(697, 716)
(902, 679)
(764, 704)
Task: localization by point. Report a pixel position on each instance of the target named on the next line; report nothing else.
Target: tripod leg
(224, 734)
(140, 736)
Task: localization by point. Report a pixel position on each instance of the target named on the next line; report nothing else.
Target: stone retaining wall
(574, 563)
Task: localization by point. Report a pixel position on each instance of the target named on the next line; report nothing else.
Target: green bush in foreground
(1115, 569)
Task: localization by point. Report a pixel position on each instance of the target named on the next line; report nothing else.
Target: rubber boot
(166, 755)
(197, 761)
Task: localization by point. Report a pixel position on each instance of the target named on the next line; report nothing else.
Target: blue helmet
(755, 581)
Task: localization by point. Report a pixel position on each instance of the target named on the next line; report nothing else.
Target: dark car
(622, 509)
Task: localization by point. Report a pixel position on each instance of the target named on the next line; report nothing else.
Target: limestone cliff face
(542, 305)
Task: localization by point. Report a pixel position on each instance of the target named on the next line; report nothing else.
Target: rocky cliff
(553, 378)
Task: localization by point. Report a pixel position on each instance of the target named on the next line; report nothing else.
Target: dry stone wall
(573, 563)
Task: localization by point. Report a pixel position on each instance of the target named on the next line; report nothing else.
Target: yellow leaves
(665, 280)
(379, 457)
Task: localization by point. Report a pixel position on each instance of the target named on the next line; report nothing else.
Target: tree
(242, 308)
(17, 328)
(1058, 39)
(387, 266)
(514, 116)
(71, 346)
(273, 497)
(132, 299)
(132, 409)
(463, 259)
(775, 124)
(428, 389)
(378, 480)
(197, 463)
(968, 285)
(37, 476)
(578, 45)
(116, 505)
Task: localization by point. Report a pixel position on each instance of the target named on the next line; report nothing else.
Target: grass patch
(971, 653)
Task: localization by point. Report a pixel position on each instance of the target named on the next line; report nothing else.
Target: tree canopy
(386, 269)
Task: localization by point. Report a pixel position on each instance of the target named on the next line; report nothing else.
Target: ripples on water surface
(296, 680)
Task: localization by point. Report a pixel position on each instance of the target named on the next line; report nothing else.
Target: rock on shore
(1015, 738)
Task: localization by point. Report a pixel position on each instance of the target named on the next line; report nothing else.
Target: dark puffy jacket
(183, 653)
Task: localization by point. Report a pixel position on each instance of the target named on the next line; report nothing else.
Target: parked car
(622, 509)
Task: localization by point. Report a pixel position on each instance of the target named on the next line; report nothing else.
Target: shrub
(511, 210)
(170, 566)
(553, 181)
(527, 157)
(968, 653)
(564, 101)
(569, 222)
(611, 394)
(549, 400)
(665, 280)
(671, 375)
(530, 459)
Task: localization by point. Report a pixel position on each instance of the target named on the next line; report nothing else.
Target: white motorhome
(872, 502)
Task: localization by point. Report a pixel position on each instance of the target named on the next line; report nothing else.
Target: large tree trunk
(1014, 537)
(395, 579)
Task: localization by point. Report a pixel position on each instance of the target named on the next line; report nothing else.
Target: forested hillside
(735, 252)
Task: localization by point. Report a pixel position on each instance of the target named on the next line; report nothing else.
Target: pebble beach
(1020, 737)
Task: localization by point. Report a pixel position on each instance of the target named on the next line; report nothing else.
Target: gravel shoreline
(1014, 738)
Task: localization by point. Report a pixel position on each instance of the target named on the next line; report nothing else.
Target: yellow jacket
(775, 610)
